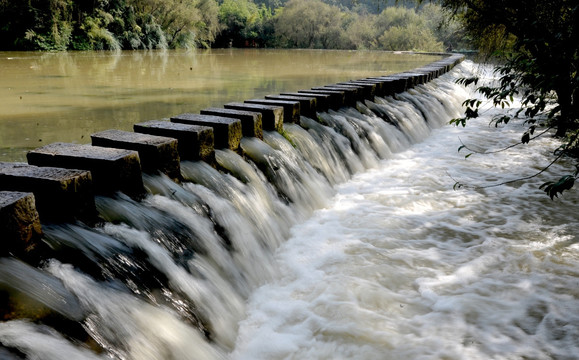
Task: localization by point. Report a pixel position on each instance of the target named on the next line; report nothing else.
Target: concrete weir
(322, 100)
(19, 222)
(291, 109)
(60, 194)
(350, 93)
(251, 124)
(336, 98)
(308, 105)
(156, 153)
(271, 115)
(60, 180)
(227, 131)
(112, 169)
(194, 142)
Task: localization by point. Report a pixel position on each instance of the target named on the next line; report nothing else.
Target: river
(347, 243)
(66, 96)
(401, 266)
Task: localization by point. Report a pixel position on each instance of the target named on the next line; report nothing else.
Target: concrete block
(308, 105)
(433, 71)
(441, 66)
(251, 124)
(413, 79)
(366, 89)
(156, 153)
(291, 109)
(397, 83)
(20, 227)
(194, 142)
(456, 59)
(378, 85)
(227, 131)
(112, 169)
(361, 92)
(61, 194)
(322, 100)
(271, 115)
(421, 77)
(351, 94)
(388, 88)
(337, 98)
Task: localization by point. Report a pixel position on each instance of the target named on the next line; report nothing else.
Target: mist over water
(345, 242)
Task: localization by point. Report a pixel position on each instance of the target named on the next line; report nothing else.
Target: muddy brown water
(50, 97)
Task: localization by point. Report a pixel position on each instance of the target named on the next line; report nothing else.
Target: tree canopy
(158, 24)
(106, 24)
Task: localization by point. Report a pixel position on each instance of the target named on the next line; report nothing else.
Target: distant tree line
(162, 24)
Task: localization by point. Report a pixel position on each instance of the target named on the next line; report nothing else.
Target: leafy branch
(551, 188)
(524, 140)
(535, 43)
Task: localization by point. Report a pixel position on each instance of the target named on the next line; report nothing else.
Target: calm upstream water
(347, 243)
(50, 97)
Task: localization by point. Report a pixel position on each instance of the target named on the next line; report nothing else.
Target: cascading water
(401, 266)
(396, 265)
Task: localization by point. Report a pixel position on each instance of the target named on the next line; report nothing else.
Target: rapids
(342, 239)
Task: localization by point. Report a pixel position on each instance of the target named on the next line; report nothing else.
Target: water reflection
(48, 97)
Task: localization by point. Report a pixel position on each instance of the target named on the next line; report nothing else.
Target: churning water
(345, 242)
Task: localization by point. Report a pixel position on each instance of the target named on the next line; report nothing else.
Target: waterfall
(168, 277)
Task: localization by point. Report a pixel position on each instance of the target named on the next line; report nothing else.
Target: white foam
(32, 339)
(402, 266)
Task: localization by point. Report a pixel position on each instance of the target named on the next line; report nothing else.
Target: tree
(409, 37)
(445, 28)
(361, 32)
(107, 24)
(536, 43)
(185, 23)
(309, 24)
(404, 29)
(208, 27)
(46, 25)
(244, 24)
(98, 36)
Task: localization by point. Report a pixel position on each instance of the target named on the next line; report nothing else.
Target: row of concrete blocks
(60, 180)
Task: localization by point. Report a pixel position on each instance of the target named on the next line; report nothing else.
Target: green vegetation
(536, 45)
(244, 24)
(106, 24)
(58, 25)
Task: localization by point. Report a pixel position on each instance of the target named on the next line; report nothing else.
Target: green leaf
(459, 121)
(467, 156)
(526, 137)
(553, 188)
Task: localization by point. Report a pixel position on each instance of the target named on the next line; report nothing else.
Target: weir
(177, 222)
